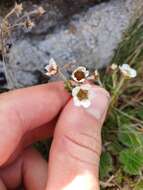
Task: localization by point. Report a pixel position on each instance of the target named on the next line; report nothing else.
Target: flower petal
(133, 73)
(80, 74)
(127, 71)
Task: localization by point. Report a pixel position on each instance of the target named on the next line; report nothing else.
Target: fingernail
(99, 103)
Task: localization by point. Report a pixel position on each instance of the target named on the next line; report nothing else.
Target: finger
(34, 171)
(26, 109)
(76, 148)
(30, 169)
(40, 133)
(2, 185)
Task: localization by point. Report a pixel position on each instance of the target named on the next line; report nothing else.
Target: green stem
(116, 93)
(114, 79)
(129, 116)
(68, 84)
(100, 83)
(62, 76)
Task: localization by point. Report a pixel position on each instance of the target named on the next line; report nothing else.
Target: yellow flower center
(82, 94)
(79, 75)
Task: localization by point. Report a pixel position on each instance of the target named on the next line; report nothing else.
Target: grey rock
(88, 39)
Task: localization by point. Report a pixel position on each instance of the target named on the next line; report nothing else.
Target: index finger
(25, 109)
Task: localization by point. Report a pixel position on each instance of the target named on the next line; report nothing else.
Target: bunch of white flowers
(127, 71)
(80, 91)
(79, 85)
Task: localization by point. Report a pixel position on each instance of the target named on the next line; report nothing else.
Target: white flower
(51, 68)
(127, 71)
(18, 9)
(80, 74)
(96, 74)
(113, 67)
(82, 95)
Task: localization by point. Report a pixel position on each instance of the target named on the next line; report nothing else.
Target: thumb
(75, 152)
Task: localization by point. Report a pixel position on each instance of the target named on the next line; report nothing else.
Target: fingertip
(96, 111)
(101, 90)
(99, 104)
(77, 142)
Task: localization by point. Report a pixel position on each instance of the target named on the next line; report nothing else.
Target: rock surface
(88, 38)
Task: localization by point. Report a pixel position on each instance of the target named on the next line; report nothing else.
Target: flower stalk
(116, 93)
(80, 78)
(100, 82)
(6, 27)
(68, 84)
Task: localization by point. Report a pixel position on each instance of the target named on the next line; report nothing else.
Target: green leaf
(115, 148)
(132, 161)
(123, 119)
(139, 186)
(140, 113)
(105, 164)
(130, 137)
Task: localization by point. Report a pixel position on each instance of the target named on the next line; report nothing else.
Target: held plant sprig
(80, 88)
(126, 73)
(7, 26)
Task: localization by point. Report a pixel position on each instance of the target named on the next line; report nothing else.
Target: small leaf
(132, 161)
(115, 148)
(105, 164)
(128, 136)
(140, 113)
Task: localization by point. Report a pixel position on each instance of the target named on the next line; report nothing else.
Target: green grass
(122, 159)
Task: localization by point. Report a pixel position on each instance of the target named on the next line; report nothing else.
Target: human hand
(31, 114)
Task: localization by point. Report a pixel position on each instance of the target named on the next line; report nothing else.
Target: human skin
(36, 113)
